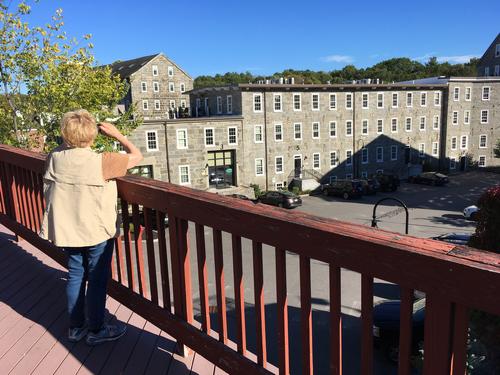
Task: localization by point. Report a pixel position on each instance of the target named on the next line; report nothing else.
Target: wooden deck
(33, 326)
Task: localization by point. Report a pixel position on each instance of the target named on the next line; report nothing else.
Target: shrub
(256, 190)
(487, 236)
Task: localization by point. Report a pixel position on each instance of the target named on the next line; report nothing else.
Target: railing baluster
(437, 332)
(39, 206)
(459, 349)
(118, 254)
(5, 189)
(202, 277)
(34, 207)
(27, 197)
(19, 192)
(139, 255)
(153, 284)
(126, 239)
(306, 315)
(281, 299)
(239, 295)
(220, 285)
(335, 321)
(15, 211)
(405, 331)
(366, 324)
(260, 317)
(162, 248)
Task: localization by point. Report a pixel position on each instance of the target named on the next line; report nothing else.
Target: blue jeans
(88, 266)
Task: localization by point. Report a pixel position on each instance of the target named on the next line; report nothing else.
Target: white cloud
(338, 58)
(461, 59)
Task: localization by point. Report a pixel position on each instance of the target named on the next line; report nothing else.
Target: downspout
(443, 127)
(265, 139)
(166, 149)
(354, 159)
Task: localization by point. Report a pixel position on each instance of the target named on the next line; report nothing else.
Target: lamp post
(360, 156)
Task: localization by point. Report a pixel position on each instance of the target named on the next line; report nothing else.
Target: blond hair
(78, 128)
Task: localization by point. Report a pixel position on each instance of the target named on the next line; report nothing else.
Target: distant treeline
(392, 70)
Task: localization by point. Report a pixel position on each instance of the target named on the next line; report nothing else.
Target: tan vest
(81, 207)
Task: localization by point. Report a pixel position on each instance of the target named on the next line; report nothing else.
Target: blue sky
(210, 36)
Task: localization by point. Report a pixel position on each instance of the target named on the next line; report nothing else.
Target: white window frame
(157, 105)
(156, 86)
(229, 104)
(348, 158)
(170, 71)
(378, 101)
(381, 120)
(155, 132)
(183, 103)
(334, 107)
(396, 95)
(462, 137)
(219, 105)
(406, 124)
(280, 102)
(487, 116)
(335, 159)
(261, 161)
(318, 160)
(468, 94)
(435, 122)
(421, 150)
(481, 161)
(258, 133)
(363, 100)
(364, 152)
(487, 71)
(454, 118)
(381, 158)
(144, 86)
(437, 95)
(483, 91)
(423, 98)
(313, 131)
(171, 87)
(392, 125)
(297, 95)
(435, 149)
(365, 130)
(154, 70)
(145, 105)
(295, 133)
(424, 123)
(454, 143)
(182, 87)
(348, 95)
(280, 125)
(453, 163)
(205, 137)
(188, 175)
(485, 140)
(172, 104)
(466, 117)
(409, 95)
(177, 133)
(394, 152)
(257, 95)
(235, 135)
(334, 123)
(276, 165)
(346, 127)
(456, 94)
(313, 95)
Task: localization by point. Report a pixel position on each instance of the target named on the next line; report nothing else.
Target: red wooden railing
(455, 279)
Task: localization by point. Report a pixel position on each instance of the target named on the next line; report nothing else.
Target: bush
(296, 190)
(487, 236)
(256, 190)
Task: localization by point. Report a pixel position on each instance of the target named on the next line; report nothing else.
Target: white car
(471, 212)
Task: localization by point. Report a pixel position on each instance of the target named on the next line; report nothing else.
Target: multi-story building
(157, 86)
(489, 64)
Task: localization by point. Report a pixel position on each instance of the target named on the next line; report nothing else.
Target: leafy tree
(44, 73)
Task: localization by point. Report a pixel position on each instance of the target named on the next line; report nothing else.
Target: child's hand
(109, 129)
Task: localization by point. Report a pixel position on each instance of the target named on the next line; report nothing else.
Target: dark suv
(282, 198)
(388, 182)
(430, 178)
(343, 188)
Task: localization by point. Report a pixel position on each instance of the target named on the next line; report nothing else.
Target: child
(81, 218)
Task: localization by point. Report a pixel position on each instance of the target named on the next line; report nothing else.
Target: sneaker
(108, 332)
(76, 334)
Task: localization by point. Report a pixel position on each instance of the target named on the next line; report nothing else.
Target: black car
(370, 186)
(387, 182)
(240, 196)
(386, 327)
(454, 238)
(282, 198)
(430, 178)
(344, 188)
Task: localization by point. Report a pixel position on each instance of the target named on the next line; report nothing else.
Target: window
(277, 103)
(183, 87)
(364, 155)
(279, 185)
(257, 102)
(380, 154)
(482, 141)
(421, 150)
(278, 132)
(172, 104)
(184, 178)
(435, 122)
(380, 100)
(198, 103)
(467, 117)
(394, 152)
(487, 71)
(409, 99)
(154, 69)
(422, 123)
(453, 143)
(183, 103)
(486, 93)
(157, 105)
(484, 116)
(364, 174)
(316, 163)
(394, 125)
(482, 161)
(423, 99)
(209, 137)
(257, 132)
(333, 129)
(435, 148)
(156, 86)
(454, 119)
(278, 163)
(348, 128)
(232, 135)
(151, 141)
(182, 141)
(380, 126)
(456, 94)
(145, 105)
(297, 131)
(259, 167)
(364, 127)
(437, 98)
(333, 101)
(144, 87)
(219, 105)
(315, 130)
(497, 50)
(468, 91)
(348, 101)
(170, 71)
(348, 176)
(315, 102)
(297, 102)
(408, 124)
(229, 104)
(365, 100)
(395, 100)
(333, 158)
(171, 87)
(497, 70)
(453, 163)
(348, 157)
(463, 142)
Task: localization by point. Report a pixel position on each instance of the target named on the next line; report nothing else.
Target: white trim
(420, 123)
(172, 104)
(348, 158)
(319, 160)
(281, 127)
(349, 95)
(454, 118)
(397, 100)
(435, 149)
(363, 100)
(170, 71)
(456, 94)
(294, 137)
(156, 86)
(313, 94)
(177, 132)
(276, 164)
(423, 95)
(257, 95)
(300, 102)
(469, 91)
(421, 150)
(453, 163)
(255, 133)
(438, 93)
(235, 135)
(205, 136)
(466, 117)
(146, 107)
(393, 147)
(482, 93)
(462, 137)
(487, 116)
(262, 166)
(380, 120)
(336, 159)
(483, 158)
(367, 155)
(157, 107)
(363, 127)
(485, 140)
(381, 159)
(155, 132)
(406, 124)
(182, 87)
(280, 102)
(144, 86)
(332, 95)
(154, 69)
(229, 104)
(409, 94)
(171, 87)
(454, 139)
(219, 104)
(435, 124)
(319, 130)
(330, 129)
(392, 124)
(346, 127)
(188, 175)
(383, 99)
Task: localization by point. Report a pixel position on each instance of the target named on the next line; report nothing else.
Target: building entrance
(221, 169)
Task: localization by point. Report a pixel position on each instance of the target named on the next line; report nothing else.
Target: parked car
(454, 238)
(240, 196)
(471, 212)
(430, 178)
(153, 219)
(386, 327)
(370, 186)
(282, 198)
(343, 188)
(387, 182)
